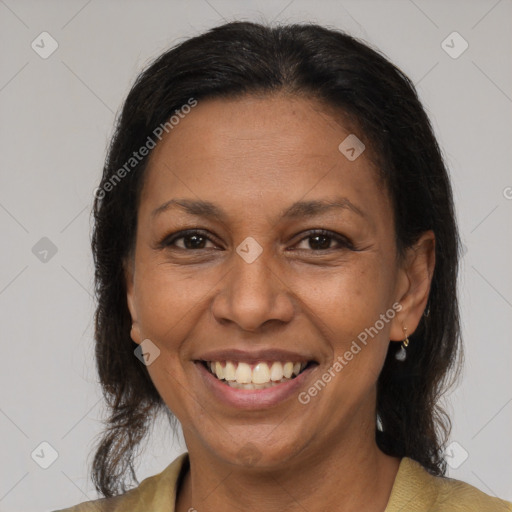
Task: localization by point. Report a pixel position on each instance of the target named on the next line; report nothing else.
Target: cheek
(168, 300)
(349, 299)
(353, 309)
(168, 307)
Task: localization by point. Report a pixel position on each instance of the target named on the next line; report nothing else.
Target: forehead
(254, 152)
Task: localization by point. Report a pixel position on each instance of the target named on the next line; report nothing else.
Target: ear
(413, 285)
(129, 274)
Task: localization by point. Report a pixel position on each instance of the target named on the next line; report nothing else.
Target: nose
(253, 294)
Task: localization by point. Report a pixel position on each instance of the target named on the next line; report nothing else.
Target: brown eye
(321, 240)
(192, 240)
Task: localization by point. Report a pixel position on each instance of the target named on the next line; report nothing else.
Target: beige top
(414, 490)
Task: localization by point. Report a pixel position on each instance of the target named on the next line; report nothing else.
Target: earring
(402, 354)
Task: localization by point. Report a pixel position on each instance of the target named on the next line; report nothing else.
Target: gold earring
(401, 355)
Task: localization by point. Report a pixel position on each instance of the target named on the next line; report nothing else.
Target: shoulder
(417, 490)
(156, 493)
(462, 496)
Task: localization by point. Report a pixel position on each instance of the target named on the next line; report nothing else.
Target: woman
(276, 260)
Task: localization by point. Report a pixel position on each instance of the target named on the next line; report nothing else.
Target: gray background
(56, 117)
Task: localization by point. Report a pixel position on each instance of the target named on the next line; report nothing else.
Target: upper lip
(254, 356)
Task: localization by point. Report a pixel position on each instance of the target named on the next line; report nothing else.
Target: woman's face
(257, 288)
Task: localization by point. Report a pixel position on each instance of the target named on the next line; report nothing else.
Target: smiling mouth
(261, 375)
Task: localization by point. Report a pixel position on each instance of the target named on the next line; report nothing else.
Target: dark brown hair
(234, 60)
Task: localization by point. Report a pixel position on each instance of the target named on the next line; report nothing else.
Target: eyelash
(344, 243)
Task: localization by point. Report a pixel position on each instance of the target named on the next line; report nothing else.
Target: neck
(351, 475)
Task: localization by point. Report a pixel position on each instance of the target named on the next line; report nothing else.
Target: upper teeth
(260, 373)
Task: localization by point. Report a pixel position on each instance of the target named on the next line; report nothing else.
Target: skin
(254, 157)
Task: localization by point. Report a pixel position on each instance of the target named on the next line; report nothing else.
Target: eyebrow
(299, 209)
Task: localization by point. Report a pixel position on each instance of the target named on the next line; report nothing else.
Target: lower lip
(253, 398)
